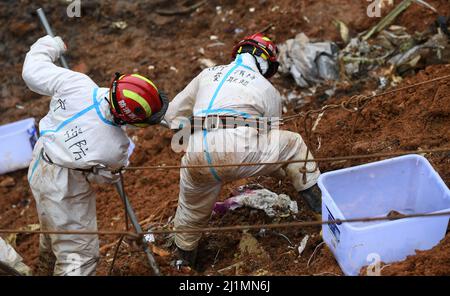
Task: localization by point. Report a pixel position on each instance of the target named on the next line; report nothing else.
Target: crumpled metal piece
(309, 63)
(411, 57)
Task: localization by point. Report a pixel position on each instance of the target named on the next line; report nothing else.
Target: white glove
(103, 177)
(61, 45)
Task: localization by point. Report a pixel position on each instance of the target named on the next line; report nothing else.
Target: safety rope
(286, 162)
(300, 224)
(361, 100)
(354, 105)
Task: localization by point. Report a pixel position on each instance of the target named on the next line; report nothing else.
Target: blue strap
(208, 157)
(97, 108)
(247, 67)
(95, 105)
(225, 112)
(238, 63)
(67, 121)
(34, 167)
(210, 110)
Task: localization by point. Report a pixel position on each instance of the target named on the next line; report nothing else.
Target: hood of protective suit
(249, 59)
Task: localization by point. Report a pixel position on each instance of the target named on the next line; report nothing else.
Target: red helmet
(259, 45)
(135, 100)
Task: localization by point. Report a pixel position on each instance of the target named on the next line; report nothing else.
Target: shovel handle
(49, 31)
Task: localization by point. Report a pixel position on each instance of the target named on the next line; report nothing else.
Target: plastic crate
(17, 141)
(406, 184)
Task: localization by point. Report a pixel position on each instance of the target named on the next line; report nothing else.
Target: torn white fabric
(10, 257)
(272, 204)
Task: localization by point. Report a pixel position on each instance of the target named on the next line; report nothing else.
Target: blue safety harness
(210, 110)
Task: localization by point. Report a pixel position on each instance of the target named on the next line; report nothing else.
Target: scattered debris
(206, 63)
(181, 10)
(388, 19)
(8, 182)
(343, 30)
(215, 44)
(285, 237)
(238, 31)
(160, 252)
(150, 237)
(313, 255)
(302, 245)
(12, 238)
(392, 53)
(235, 265)
(271, 203)
(121, 25)
(249, 245)
(309, 63)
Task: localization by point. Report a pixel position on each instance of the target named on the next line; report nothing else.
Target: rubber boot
(313, 197)
(186, 258)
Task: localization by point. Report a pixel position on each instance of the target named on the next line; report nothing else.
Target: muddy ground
(167, 49)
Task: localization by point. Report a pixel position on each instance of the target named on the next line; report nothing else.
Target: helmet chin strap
(263, 65)
(258, 63)
(116, 120)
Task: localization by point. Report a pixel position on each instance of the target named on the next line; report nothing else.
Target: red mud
(402, 121)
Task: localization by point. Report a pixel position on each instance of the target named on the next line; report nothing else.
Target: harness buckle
(213, 125)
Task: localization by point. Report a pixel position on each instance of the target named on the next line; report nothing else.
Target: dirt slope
(167, 49)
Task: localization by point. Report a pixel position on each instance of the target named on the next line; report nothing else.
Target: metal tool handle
(49, 31)
(134, 220)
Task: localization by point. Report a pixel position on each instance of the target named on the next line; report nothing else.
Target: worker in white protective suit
(230, 109)
(12, 259)
(82, 139)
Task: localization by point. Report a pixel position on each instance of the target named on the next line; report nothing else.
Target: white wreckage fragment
(272, 204)
(309, 63)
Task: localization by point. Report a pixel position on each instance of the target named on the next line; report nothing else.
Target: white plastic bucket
(406, 184)
(17, 140)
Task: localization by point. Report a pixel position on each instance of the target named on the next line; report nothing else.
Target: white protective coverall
(77, 133)
(10, 257)
(234, 89)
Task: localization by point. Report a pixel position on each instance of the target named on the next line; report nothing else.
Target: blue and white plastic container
(406, 184)
(17, 141)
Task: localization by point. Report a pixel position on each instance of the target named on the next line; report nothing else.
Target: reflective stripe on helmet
(140, 124)
(140, 100)
(145, 79)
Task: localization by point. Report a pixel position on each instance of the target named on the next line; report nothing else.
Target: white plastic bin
(406, 184)
(17, 140)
